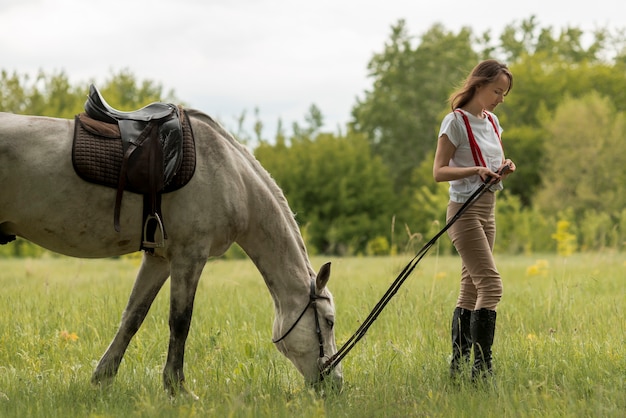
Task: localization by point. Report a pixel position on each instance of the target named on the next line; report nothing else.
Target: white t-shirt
(488, 142)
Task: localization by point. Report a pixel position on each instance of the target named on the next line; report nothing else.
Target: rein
(332, 362)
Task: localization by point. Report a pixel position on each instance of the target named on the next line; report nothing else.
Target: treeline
(369, 190)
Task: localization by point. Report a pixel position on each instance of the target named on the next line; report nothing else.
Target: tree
(124, 91)
(540, 86)
(527, 38)
(53, 95)
(46, 95)
(339, 190)
(411, 83)
(584, 168)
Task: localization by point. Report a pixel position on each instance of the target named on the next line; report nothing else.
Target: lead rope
(333, 361)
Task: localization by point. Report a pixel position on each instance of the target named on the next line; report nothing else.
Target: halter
(312, 303)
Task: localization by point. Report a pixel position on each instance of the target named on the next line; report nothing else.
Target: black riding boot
(461, 340)
(483, 327)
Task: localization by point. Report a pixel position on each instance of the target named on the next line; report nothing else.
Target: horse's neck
(271, 237)
(274, 243)
(276, 247)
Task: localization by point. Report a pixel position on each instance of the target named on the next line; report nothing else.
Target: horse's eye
(330, 323)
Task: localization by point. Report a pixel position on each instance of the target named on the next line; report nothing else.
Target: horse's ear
(322, 277)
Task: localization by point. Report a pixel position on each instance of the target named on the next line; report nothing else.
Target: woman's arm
(443, 172)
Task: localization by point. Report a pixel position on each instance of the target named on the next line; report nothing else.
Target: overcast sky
(227, 56)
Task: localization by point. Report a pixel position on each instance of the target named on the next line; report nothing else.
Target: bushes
(378, 246)
(21, 248)
(520, 231)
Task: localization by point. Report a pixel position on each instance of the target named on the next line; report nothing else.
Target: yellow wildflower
(540, 268)
(532, 270)
(68, 336)
(565, 241)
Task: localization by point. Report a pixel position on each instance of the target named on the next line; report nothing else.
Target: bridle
(312, 304)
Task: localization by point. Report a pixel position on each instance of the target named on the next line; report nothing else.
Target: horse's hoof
(329, 386)
(100, 380)
(183, 391)
(192, 396)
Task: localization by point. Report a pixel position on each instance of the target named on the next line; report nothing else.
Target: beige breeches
(473, 236)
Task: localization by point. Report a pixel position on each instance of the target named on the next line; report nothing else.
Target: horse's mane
(256, 165)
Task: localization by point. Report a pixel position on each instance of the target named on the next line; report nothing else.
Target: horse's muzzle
(328, 380)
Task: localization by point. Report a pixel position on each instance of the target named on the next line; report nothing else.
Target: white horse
(230, 198)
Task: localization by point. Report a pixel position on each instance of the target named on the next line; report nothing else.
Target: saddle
(149, 151)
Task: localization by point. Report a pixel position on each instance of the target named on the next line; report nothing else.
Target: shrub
(378, 246)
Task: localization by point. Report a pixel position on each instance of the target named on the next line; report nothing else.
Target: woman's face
(492, 94)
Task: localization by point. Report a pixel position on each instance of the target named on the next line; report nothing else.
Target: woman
(469, 152)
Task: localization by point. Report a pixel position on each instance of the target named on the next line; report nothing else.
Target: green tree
(528, 38)
(124, 91)
(53, 95)
(548, 68)
(45, 95)
(410, 85)
(583, 166)
(338, 189)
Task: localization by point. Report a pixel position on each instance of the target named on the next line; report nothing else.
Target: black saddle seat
(137, 125)
(99, 109)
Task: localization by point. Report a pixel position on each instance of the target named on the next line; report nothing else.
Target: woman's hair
(484, 73)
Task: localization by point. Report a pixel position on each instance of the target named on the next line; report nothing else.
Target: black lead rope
(332, 362)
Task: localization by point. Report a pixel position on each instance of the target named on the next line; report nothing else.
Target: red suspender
(495, 128)
(476, 153)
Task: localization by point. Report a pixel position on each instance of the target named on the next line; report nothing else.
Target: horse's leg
(184, 282)
(153, 273)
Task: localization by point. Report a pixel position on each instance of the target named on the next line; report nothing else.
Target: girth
(149, 151)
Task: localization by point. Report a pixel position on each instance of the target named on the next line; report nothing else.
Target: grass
(559, 348)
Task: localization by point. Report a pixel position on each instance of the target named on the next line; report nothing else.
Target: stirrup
(159, 228)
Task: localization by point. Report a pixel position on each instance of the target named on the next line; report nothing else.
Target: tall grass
(559, 348)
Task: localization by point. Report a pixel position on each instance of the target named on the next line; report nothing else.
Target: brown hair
(484, 73)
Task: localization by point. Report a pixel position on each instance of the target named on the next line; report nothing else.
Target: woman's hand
(487, 175)
(504, 170)
(510, 167)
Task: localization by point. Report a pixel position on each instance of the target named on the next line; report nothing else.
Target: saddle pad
(97, 153)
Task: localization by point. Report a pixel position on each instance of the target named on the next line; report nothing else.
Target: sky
(226, 57)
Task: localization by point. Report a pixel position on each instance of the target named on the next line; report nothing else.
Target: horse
(229, 199)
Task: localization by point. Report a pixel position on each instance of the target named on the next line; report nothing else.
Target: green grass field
(559, 348)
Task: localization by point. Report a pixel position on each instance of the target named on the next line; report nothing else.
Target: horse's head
(306, 335)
